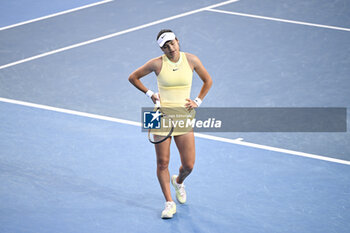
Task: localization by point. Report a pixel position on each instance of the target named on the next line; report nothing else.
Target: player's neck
(175, 58)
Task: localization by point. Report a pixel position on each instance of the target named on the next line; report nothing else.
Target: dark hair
(162, 31)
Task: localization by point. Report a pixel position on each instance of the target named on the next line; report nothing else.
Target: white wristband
(198, 101)
(149, 93)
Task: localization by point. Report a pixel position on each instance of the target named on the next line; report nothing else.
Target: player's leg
(163, 157)
(186, 146)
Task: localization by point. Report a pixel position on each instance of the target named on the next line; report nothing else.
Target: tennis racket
(156, 136)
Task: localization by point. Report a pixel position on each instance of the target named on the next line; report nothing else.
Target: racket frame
(149, 130)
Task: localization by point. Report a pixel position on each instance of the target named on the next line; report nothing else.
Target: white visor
(165, 37)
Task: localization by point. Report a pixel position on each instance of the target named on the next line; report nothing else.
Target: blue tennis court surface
(14, 12)
(97, 176)
(61, 171)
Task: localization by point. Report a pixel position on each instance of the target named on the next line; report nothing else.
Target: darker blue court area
(61, 172)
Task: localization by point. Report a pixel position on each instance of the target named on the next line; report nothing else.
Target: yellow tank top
(174, 81)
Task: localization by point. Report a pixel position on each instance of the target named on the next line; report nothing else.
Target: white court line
(279, 20)
(72, 112)
(238, 141)
(55, 14)
(115, 34)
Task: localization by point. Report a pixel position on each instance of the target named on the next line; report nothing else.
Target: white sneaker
(180, 190)
(170, 209)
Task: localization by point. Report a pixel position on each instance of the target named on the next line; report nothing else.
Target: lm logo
(151, 120)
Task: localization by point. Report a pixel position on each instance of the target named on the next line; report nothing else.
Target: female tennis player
(174, 71)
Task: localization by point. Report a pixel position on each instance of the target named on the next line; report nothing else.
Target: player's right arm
(152, 65)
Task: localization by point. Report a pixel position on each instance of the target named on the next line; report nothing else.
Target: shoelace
(181, 189)
(168, 206)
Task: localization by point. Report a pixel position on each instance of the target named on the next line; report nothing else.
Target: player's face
(172, 50)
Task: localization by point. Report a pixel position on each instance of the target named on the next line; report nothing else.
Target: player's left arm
(203, 75)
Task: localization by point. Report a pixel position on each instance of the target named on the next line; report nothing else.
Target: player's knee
(188, 167)
(163, 164)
